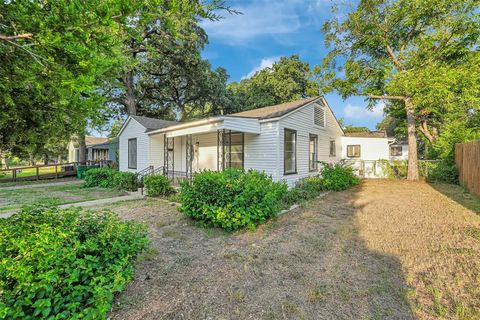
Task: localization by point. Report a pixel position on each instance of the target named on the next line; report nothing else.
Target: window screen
(353, 151)
(396, 151)
(333, 149)
(132, 153)
(313, 151)
(290, 150)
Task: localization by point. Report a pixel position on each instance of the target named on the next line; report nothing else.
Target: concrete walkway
(91, 203)
(39, 185)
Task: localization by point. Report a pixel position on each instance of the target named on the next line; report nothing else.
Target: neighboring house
(97, 148)
(286, 141)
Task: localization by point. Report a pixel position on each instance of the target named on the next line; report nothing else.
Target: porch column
(189, 155)
(168, 161)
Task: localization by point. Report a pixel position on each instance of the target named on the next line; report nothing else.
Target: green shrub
(442, 171)
(157, 185)
(232, 199)
(99, 177)
(125, 181)
(305, 189)
(65, 263)
(110, 178)
(395, 169)
(338, 176)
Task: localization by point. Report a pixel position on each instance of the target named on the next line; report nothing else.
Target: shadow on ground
(311, 263)
(459, 194)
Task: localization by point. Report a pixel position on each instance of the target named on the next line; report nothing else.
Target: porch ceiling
(211, 125)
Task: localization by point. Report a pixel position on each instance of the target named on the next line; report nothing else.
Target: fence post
(14, 175)
(56, 171)
(36, 169)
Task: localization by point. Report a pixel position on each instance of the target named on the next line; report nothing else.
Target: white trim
(186, 125)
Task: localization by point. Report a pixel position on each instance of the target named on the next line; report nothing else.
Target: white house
(286, 141)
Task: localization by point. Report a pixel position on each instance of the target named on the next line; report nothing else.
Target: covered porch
(177, 152)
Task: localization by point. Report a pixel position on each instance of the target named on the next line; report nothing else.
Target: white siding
(133, 130)
(205, 151)
(242, 124)
(156, 150)
(302, 120)
(261, 150)
(370, 148)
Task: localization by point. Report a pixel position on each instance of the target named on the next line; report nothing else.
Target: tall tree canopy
(412, 52)
(287, 80)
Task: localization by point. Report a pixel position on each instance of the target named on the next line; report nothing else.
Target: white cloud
(259, 18)
(265, 63)
(356, 112)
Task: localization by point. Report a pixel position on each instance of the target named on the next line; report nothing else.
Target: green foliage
(439, 171)
(65, 264)
(396, 169)
(305, 189)
(125, 180)
(353, 129)
(157, 185)
(338, 176)
(111, 178)
(232, 199)
(287, 80)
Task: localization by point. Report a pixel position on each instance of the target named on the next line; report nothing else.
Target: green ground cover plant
(65, 264)
(157, 185)
(338, 176)
(232, 199)
(304, 190)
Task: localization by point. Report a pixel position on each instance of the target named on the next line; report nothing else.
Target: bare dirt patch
(383, 250)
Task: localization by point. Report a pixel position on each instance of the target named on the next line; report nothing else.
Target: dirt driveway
(383, 250)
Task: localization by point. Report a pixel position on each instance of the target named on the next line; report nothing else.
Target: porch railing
(174, 176)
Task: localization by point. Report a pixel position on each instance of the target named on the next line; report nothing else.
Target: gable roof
(152, 123)
(366, 134)
(274, 111)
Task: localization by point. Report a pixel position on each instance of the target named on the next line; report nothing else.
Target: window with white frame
(353, 151)
(313, 152)
(319, 116)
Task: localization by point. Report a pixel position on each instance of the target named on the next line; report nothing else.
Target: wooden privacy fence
(467, 159)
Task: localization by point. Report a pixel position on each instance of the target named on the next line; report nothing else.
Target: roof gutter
(187, 125)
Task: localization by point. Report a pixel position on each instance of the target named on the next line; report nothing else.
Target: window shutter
(319, 116)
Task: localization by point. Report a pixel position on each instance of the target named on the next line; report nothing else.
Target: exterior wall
(261, 151)
(133, 130)
(205, 152)
(156, 150)
(302, 121)
(370, 148)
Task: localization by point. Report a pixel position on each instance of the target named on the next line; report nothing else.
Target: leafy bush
(395, 169)
(442, 171)
(99, 177)
(304, 189)
(110, 178)
(157, 185)
(338, 176)
(125, 181)
(65, 263)
(232, 199)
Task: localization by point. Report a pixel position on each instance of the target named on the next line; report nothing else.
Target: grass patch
(52, 195)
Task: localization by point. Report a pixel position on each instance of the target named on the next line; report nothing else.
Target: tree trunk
(129, 100)
(5, 161)
(82, 148)
(32, 159)
(412, 174)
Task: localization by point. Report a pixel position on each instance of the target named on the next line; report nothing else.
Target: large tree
(286, 80)
(409, 52)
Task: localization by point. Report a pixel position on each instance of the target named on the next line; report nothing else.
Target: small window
(319, 116)
(289, 151)
(132, 153)
(333, 149)
(396, 151)
(353, 151)
(313, 151)
(234, 150)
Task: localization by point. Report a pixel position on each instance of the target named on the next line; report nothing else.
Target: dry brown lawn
(382, 250)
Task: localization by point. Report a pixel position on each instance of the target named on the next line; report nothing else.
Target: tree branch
(392, 55)
(16, 37)
(403, 98)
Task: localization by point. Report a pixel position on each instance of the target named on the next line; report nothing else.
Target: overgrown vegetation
(110, 178)
(304, 190)
(432, 171)
(157, 185)
(338, 176)
(232, 199)
(65, 264)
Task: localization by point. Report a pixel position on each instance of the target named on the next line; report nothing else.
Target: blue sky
(269, 29)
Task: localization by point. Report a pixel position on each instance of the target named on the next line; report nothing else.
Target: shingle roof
(273, 111)
(367, 134)
(152, 123)
(89, 140)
